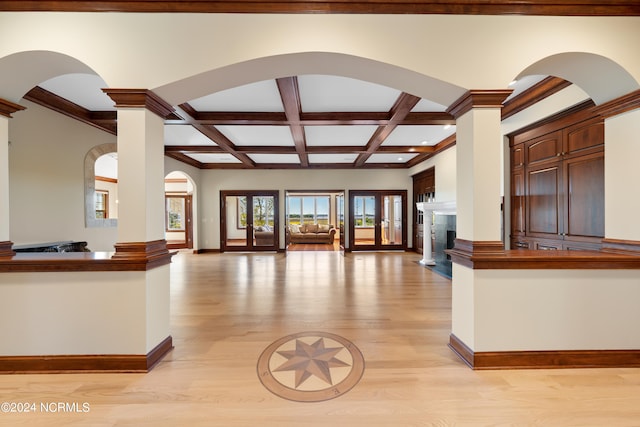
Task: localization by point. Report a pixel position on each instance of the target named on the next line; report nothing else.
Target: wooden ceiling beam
(290, 94)
(213, 134)
(402, 107)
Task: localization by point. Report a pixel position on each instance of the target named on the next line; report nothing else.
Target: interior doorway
(249, 221)
(378, 220)
(178, 196)
(321, 208)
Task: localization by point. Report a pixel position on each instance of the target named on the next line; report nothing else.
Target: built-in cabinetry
(557, 185)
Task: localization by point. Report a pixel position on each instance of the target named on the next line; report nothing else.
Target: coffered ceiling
(308, 121)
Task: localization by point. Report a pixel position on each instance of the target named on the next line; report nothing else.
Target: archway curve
(20, 72)
(90, 186)
(294, 64)
(600, 77)
(193, 214)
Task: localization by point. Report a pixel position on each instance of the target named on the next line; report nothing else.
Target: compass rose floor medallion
(310, 366)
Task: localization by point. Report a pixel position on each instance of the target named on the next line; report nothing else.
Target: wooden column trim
(628, 102)
(7, 108)
(6, 249)
(86, 362)
(153, 254)
(140, 98)
(478, 99)
(465, 251)
(547, 359)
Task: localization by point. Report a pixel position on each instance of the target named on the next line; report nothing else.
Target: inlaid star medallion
(310, 366)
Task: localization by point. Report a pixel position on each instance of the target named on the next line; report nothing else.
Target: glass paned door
(263, 220)
(378, 219)
(391, 221)
(236, 221)
(249, 220)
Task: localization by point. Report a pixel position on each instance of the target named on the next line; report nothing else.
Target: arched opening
(100, 175)
(179, 210)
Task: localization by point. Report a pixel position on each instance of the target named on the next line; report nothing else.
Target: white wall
(46, 178)
(75, 313)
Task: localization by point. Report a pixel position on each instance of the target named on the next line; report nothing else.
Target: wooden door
(249, 221)
(378, 220)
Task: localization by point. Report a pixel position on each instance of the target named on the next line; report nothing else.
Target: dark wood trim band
(478, 99)
(619, 105)
(86, 363)
(51, 262)
(7, 108)
(6, 249)
(565, 359)
(533, 95)
(525, 259)
(140, 98)
(103, 120)
(463, 7)
(629, 247)
(154, 253)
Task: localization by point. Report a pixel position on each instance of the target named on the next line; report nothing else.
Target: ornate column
(141, 116)
(478, 196)
(6, 109)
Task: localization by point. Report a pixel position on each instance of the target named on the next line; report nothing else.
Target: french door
(378, 220)
(249, 221)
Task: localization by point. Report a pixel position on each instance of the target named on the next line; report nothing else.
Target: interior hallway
(227, 308)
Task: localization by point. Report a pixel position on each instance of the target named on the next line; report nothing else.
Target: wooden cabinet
(557, 186)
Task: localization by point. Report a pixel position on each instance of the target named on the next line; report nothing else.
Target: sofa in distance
(311, 233)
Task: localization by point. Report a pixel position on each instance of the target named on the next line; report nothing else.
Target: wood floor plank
(227, 308)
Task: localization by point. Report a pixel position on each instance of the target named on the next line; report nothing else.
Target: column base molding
(560, 359)
(6, 249)
(86, 363)
(153, 254)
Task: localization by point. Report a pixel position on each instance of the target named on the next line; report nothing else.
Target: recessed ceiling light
(425, 142)
(400, 159)
(513, 82)
(446, 127)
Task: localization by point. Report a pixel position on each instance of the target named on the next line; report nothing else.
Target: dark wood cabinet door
(543, 149)
(584, 187)
(584, 138)
(544, 207)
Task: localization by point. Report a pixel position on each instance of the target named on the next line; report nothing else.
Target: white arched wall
(486, 55)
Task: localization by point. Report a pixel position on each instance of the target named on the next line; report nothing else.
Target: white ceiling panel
(321, 93)
(424, 105)
(390, 158)
(82, 89)
(333, 158)
(185, 135)
(338, 135)
(213, 157)
(258, 135)
(255, 97)
(275, 158)
(418, 135)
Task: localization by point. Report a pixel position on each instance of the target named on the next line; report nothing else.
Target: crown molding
(416, 7)
(7, 108)
(140, 98)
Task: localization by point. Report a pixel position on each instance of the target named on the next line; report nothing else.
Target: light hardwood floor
(227, 308)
